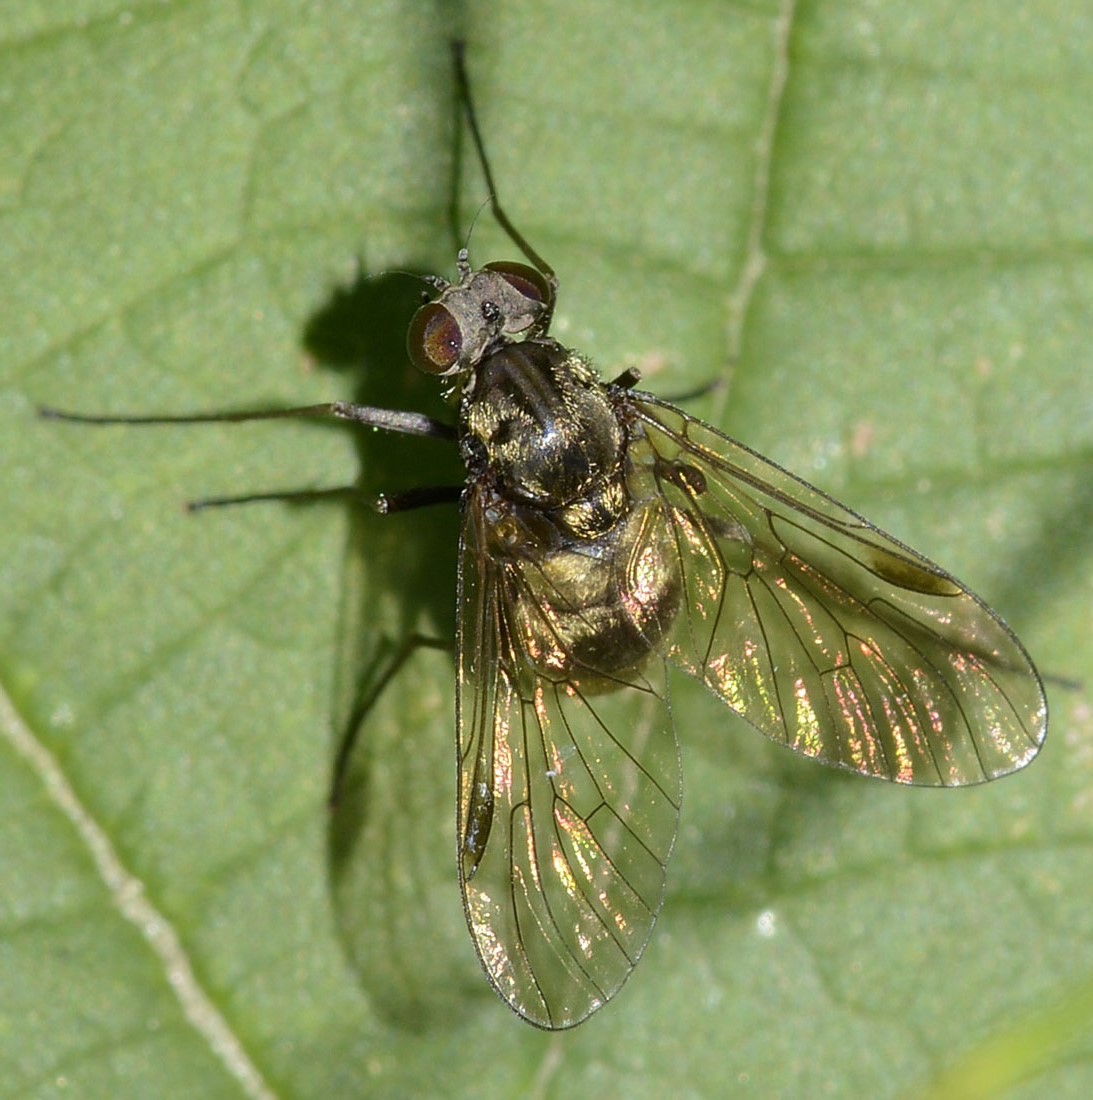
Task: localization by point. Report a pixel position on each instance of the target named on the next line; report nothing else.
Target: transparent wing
(568, 804)
(823, 632)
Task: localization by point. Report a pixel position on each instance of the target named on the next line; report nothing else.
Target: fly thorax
(548, 434)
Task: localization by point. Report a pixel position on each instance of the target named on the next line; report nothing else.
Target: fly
(605, 535)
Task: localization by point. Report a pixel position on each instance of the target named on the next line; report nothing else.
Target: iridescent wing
(823, 632)
(568, 803)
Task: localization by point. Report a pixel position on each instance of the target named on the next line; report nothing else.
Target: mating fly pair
(607, 534)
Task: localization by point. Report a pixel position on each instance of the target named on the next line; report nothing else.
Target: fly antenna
(474, 221)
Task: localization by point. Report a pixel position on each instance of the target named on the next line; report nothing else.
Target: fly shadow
(392, 771)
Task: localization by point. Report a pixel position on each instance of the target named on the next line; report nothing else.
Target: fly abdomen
(594, 610)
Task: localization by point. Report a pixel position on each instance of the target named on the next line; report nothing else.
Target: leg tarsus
(383, 504)
(287, 496)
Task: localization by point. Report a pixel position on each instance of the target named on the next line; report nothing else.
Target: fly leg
(384, 504)
(387, 420)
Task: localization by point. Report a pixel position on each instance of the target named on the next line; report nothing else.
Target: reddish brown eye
(434, 340)
(526, 280)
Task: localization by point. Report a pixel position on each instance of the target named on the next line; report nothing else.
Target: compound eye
(434, 339)
(525, 280)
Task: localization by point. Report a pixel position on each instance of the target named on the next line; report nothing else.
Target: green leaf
(868, 223)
